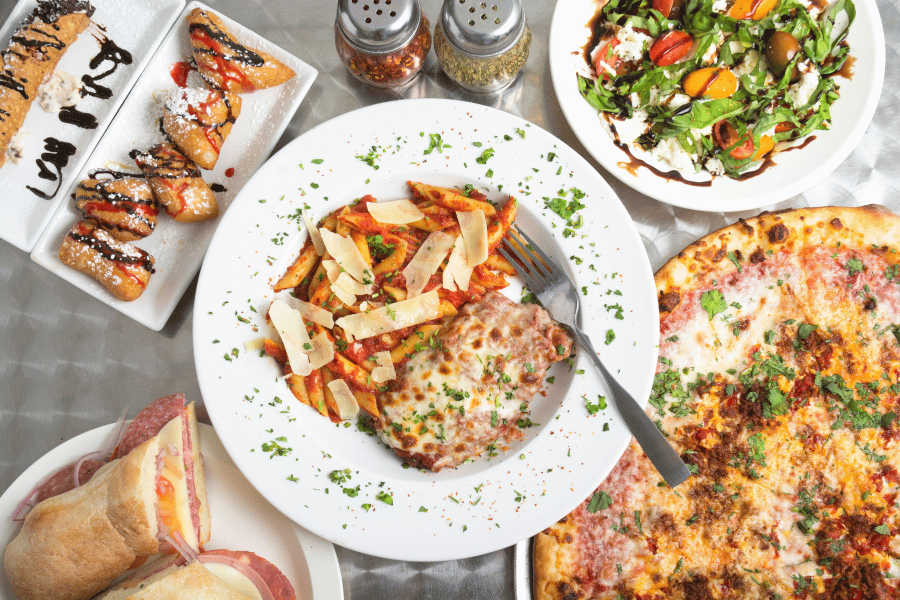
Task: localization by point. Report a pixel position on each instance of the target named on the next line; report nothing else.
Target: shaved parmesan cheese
(473, 227)
(257, 344)
(314, 234)
(344, 398)
(351, 285)
(332, 269)
(343, 294)
(426, 261)
(392, 317)
(347, 255)
(385, 369)
(322, 351)
(310, 312)
(458, 270)
(289, 324)
(398, 212)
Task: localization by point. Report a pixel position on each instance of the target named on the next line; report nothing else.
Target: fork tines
(532, 263)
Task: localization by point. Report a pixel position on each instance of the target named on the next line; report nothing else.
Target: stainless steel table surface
(69, 363)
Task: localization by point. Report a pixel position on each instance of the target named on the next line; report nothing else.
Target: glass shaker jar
(383, 42)
(482, 44)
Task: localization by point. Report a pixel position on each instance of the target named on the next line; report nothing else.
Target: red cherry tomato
(670, 9)
(606, 63)
(670, 48)
(727, 136)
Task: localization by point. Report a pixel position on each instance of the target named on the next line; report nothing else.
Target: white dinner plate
(793, 172)
(241, 518)
(489, 503)
(138, 30)
(179, 247)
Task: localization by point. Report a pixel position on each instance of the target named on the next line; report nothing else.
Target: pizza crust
(555, 556)
(754, 240)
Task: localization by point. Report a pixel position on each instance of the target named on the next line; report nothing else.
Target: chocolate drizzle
(109, 52)
(49, 11)
(94, 192)
(73, 116)
(57, 155)
(238, 52)
(165, 163)
(106, 250)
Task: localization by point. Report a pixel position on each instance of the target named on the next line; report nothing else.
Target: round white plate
(241, 518)
(794, 171)
(484, 505)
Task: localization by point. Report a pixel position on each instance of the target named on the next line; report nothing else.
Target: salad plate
(337, 479)
(786, 174)
(241, 518)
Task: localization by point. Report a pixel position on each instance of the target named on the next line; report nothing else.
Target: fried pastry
(121, 204)
(226, 64)
(199, 120)
(177, 184)
(31, 57)
(123, 269)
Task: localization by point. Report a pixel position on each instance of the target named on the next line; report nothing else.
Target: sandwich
(218, 574)
(149, 500)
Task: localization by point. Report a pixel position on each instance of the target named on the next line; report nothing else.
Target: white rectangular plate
(137, 28)
(179, 247)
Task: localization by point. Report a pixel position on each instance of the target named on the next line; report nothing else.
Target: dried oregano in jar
(383, 42)
(482, 45)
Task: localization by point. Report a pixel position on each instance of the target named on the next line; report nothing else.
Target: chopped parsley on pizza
(778, 385)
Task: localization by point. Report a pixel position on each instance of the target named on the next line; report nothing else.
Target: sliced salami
(149, 422)
(257, 569)
(64, 479)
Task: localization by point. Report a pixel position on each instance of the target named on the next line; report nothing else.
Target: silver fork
(558, 295)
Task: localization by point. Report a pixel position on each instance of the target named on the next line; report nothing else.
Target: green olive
(781, 49)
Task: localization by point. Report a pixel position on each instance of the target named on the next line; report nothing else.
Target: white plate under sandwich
(241, 518)
(137, 28)
(179, 247)
(487, 504)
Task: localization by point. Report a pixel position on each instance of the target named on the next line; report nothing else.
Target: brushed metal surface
(69, 363)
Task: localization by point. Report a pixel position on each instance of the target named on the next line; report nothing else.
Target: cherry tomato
(670, 9)
(727, 136)
(606, 64)
(710, 81)
(751, 9)
(670, 48)
(784, 126)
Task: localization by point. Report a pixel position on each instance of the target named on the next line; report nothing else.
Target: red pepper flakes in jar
(384, 43)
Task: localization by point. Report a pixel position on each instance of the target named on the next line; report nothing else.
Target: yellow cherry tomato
(766, 143)
(710, 81)
(751, 9)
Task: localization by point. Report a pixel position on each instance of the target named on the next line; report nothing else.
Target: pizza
(777, 383)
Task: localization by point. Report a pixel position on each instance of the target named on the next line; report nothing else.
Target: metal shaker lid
(379, 26)
(482, 27)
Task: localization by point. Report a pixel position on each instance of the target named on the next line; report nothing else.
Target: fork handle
(651, 439)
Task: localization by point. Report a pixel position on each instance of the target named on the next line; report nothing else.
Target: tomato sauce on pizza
(779, 385)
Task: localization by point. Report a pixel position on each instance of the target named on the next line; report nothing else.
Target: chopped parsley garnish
(485, 156)
(854, 266)
(599, 501)
(713, 302)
